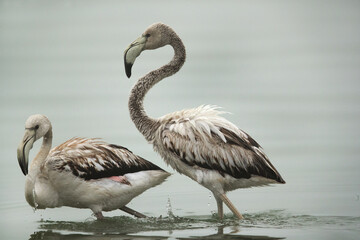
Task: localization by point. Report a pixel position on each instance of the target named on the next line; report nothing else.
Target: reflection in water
(220, 235)
(54, 236)
(127, 225)
(122, 227)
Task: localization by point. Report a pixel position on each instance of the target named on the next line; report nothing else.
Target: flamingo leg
(98, 215)
(132, 212)
(219, 206)
(228, 203)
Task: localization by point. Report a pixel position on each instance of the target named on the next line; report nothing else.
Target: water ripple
(130, 228)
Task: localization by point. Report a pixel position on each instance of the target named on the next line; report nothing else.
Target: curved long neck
(42, 154)
(145, 124)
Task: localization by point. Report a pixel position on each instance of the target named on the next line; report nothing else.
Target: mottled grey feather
(90, 158)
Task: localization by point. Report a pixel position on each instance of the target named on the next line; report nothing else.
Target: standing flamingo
(196, 142)
(82, 172)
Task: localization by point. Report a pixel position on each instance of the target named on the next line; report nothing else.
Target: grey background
(288, 71)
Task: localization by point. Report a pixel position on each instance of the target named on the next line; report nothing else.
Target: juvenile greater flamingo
(196, 142)
(82, 172)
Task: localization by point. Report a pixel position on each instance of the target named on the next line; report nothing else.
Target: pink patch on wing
(115, 178)
(120, 179)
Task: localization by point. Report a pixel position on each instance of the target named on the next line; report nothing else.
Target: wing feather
(90, 158)
(202, 138)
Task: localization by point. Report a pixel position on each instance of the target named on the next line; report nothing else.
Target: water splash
(169, 209)
(210, 195)
(212, 211)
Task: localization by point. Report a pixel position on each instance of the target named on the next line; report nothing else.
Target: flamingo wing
(200, 137)
(90, 158)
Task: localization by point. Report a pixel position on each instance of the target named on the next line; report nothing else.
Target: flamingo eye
(147, 35)
(37, 127)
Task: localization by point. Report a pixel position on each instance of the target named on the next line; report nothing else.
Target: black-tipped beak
(128, 67)
(24, 149)
(23, 163)
(132, 52)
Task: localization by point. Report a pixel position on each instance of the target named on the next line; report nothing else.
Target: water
(287, 71)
